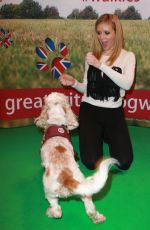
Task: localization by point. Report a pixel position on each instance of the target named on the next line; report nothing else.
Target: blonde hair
(114, 21)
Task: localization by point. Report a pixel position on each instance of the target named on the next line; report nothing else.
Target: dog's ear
(41, 120)
(72, 122)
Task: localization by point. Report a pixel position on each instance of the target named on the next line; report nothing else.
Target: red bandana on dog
(54, 131)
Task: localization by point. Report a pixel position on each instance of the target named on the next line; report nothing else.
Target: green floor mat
(124, 200)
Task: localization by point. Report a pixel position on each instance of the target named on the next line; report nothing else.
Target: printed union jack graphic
(42, 66)
(63, 49)
(41, 52)
(5, 38)
(59, 64)
(50, 44)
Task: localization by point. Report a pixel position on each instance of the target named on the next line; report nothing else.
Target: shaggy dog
(62, 176)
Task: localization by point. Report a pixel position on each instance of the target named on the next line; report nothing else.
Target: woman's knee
(90, 164)
(125, 163)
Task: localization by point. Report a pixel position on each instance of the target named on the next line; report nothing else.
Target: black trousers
(99, 124)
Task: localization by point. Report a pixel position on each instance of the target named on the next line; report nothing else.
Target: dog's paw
(5, 38)
(54, 212)
(97, 217)
(59, 64)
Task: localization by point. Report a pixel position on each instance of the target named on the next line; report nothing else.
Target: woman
(109, 72)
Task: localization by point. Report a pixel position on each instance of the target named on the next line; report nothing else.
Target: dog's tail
(96, 182)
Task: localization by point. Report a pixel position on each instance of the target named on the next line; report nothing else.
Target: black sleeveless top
(100, 86)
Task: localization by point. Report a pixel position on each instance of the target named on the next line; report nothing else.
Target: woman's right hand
(66, 80)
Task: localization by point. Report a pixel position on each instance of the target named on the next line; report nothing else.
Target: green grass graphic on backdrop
(18, 70)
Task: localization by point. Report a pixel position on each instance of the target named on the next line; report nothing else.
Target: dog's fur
(62, 176)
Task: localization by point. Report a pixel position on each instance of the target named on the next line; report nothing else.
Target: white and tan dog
(62, 176)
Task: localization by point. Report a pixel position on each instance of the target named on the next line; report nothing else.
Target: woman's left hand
(92, 60)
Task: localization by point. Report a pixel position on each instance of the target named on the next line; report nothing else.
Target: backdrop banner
(40, 40)
(27, 103)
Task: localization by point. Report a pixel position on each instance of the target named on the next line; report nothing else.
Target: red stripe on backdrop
(27, 103)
